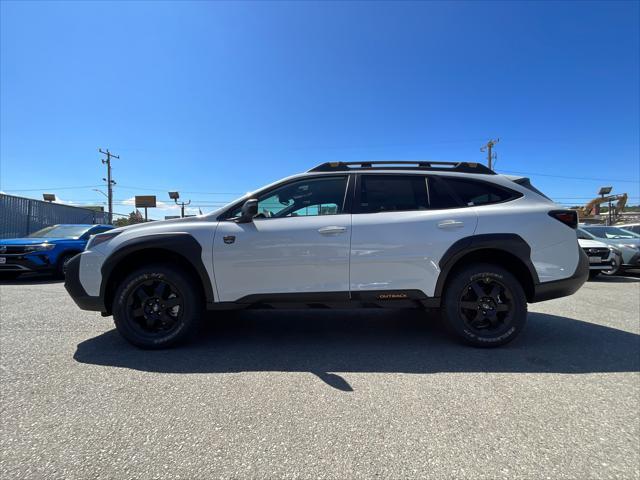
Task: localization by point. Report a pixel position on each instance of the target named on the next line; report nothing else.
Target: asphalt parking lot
(321, 394)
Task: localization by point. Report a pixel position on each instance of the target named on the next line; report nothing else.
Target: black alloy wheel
(154, 307)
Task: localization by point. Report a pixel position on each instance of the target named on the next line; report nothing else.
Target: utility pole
(489, 149)
(110, 182)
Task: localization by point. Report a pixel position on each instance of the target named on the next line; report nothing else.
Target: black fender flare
(506, 242)
(180, 243)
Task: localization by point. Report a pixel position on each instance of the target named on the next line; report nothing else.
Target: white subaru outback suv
(454, 236)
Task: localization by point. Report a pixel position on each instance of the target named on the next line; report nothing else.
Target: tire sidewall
(189, 317)
(60, 273)
(454, 319)
(614, 270)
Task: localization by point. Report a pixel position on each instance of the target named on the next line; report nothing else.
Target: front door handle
(447, 224)
(332, 230)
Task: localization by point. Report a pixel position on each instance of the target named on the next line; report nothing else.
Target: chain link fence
(21, 216)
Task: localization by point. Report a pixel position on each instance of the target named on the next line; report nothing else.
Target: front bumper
(77, 292)
(634, 262)
(606, 265)
(566, 286)
(26, 263)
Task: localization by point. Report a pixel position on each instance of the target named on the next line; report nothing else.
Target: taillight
(568, 217)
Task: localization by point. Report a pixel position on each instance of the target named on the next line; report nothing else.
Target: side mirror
(249, 210)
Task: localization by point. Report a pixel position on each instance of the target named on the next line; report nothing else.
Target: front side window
(96, 231)
(308, 197)
(392, 193)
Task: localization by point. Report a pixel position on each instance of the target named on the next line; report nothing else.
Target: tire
(615, 269)
(61, 266)
(157, 306)
(9, 275)
(593, 274)
(490, 286)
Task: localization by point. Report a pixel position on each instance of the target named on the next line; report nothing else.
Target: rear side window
(389, 193)
(441, 196)
(472, 192)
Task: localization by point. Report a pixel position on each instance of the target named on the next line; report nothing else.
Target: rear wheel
(157, 306)
(485, 305)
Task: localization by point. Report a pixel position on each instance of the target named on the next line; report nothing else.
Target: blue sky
(215, 99)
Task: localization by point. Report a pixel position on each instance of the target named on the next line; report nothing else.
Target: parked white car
(625, 243)
(632, 227)
(455, 236)
(602, 257)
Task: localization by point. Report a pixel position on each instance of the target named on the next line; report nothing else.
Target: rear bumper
(77, 292)
(566, 286)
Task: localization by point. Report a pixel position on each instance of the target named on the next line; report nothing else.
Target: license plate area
(595, 260)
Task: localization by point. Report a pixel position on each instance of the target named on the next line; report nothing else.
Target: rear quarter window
(472, 192)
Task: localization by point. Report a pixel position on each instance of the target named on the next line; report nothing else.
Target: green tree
(133, 218)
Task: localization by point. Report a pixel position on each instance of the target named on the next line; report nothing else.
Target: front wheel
(157, 306)
(593, 274)
(485, 305)
(61, 266)
(9, 275)
(617, 261)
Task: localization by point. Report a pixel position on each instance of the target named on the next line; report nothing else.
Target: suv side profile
(454, 236)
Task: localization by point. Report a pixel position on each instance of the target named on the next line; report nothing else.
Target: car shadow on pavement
(31, 279)
(615, 279)
(322, 342)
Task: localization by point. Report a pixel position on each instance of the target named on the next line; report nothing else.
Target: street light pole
(175, 196)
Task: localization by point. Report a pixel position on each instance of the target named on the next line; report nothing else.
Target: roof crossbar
(462, 167)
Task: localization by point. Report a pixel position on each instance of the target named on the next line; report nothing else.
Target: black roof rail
(462, 167)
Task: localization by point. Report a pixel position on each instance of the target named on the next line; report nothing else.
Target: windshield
(61, 231)
(611, 232)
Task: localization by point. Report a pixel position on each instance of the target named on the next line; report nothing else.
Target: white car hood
(591, 243)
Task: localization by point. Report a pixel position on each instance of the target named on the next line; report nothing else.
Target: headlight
(100, 238)
(39, 248)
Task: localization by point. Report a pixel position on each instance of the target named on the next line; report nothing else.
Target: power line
(569, 177)
(51, 188)
(158, 189)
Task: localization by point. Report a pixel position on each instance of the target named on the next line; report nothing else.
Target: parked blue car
(47, 250)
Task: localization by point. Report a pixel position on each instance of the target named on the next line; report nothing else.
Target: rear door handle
(332, 230)
(446, 224)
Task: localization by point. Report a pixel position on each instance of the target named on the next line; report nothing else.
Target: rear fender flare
(506, 242)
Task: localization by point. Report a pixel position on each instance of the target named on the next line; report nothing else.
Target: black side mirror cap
(248, 211)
